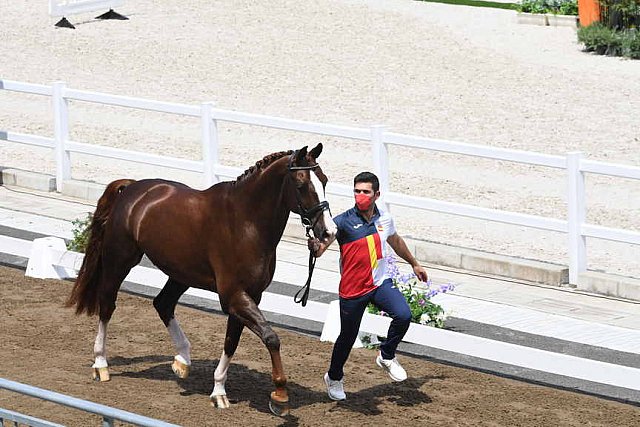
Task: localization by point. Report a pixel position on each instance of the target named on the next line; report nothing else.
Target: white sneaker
(335, 389)
(392, 367)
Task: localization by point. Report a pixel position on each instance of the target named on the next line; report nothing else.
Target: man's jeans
(388, 299)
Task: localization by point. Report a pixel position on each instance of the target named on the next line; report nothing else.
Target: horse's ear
(300, 156)
(315, 152)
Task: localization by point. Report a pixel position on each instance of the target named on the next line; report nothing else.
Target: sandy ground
(449, 72)
(47, 346)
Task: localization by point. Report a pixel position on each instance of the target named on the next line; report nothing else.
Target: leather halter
(306, 215)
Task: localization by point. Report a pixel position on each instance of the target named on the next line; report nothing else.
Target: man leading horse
(363, 232)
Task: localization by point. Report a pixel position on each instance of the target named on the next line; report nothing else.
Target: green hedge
(556, 7)
(606, 41)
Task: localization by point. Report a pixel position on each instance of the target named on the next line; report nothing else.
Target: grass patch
(477, 3)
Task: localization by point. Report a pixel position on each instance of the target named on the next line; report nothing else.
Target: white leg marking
(328, 221)
(180, 341)
(220, 376)
(219, 394)
(99, 347)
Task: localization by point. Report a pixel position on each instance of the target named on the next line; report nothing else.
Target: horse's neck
(265, 205)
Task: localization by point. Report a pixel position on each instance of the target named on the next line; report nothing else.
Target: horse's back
(174, 225)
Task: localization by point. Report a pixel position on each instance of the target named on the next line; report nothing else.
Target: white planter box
(532, 19)
(562, 20)
(547, 19)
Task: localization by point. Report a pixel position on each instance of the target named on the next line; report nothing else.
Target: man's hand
(420, 272)
(317, 246)
(313, 244)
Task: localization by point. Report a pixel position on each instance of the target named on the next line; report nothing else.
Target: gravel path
(449, 72)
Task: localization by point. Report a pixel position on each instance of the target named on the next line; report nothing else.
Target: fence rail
(108, 414)
(574, 226)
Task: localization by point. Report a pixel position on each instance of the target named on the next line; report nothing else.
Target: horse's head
(310, 201)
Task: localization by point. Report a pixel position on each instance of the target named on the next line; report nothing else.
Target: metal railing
(108, 414)
(574, 226)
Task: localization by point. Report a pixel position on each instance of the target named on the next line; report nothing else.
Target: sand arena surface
(449, 72)
(50, 347)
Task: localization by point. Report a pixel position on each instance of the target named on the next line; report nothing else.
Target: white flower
(424, 319)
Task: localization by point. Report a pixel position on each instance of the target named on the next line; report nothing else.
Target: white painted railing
(574, 226)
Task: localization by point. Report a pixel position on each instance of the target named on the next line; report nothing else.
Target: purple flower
(406, 277)
(446, 288)
(392, 267)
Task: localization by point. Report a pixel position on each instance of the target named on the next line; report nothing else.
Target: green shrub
(620, 14)
(81, 233)
(631, 44)
(595, 37)
(531, 6)
(568, 8)
(606, 41)
(562, 7)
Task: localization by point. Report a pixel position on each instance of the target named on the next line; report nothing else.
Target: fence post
(209, 144)
(577, 216)
(61, 129)
(381, 162)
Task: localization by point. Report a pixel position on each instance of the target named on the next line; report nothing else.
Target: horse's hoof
(279, 409)
(101, 374)
(180, 369)
(220, 401)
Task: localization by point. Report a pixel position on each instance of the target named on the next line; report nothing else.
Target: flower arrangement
(418, 295)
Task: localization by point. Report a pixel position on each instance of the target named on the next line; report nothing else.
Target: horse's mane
(261, 164)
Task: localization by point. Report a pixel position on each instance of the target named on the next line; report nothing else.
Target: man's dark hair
(367, 177)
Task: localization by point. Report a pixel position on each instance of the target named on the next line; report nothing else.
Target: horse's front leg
(219, 394)
(246, 310)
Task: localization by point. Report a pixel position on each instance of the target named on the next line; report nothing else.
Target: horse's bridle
(307, 217)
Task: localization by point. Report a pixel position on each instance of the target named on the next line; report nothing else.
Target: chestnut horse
(222, 239)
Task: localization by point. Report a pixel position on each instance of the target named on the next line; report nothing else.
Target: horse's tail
(85, 293)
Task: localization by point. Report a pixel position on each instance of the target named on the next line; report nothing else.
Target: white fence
(575, 164)
(71, 7)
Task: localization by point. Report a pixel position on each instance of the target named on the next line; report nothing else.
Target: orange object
(588, 12)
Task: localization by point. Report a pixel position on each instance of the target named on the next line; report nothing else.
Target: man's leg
(351, 311)
(389, 299)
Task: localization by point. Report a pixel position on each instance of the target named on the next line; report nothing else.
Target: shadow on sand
(254, 387)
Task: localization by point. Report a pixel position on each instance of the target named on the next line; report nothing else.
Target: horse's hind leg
(165, 304)
(113, 273)
(219, 394)
(242, 306)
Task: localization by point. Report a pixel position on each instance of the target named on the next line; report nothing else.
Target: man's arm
(318, 247)
(400, 247)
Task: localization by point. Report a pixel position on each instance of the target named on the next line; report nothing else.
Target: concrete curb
(426, 252)
(27, 179)
(610, 284)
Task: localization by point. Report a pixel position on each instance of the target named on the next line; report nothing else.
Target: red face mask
(363, 202)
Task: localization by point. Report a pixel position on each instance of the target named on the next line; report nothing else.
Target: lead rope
(307, 286)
